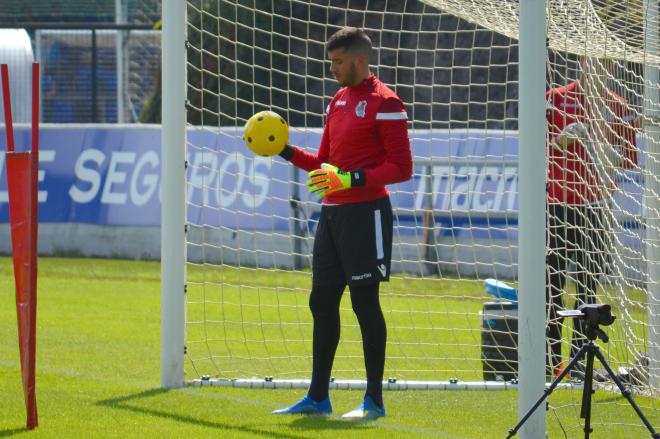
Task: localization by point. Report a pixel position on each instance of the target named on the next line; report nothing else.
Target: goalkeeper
(591, 136)
(364, 147)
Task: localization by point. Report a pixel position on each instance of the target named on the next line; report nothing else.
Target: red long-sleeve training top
(572, 177)
(366, 128)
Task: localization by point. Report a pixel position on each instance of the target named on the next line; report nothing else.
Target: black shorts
(353, 243)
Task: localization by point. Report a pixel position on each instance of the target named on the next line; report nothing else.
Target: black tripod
(590, 349)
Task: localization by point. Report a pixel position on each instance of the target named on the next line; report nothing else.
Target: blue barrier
(110, 175)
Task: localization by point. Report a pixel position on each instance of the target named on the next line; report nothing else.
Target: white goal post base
(362, 385)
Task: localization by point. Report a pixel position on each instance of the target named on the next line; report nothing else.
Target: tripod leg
(627, 394)
(548, 391)
(587, 390)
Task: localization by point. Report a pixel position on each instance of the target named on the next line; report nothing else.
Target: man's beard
(350, 78)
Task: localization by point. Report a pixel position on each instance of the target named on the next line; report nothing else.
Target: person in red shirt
(591, 135)
(364, 147)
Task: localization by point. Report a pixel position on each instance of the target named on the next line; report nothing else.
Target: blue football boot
(307, 406)
(367, 410)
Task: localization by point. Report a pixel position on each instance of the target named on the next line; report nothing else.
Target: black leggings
(579, 234)
(324, 303)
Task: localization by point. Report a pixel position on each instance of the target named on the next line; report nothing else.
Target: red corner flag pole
(22, 179)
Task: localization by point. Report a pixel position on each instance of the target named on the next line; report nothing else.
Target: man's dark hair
(350, 39)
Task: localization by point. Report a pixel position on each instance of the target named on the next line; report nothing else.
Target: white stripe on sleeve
(399, 115)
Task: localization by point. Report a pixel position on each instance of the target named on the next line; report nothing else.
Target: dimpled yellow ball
(266, 133)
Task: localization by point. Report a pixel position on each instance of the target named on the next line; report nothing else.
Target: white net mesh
(602, 240)
(455, 65)
(253, 217)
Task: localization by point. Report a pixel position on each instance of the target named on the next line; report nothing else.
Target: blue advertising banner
(110, 175)
(94, 175)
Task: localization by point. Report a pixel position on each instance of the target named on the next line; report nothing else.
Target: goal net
(251, 222)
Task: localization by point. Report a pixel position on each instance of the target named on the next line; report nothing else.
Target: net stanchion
(22, 185)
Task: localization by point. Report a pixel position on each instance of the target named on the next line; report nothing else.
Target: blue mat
(501, 290)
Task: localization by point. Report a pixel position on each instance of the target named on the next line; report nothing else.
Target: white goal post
(531, 216)
(237, 230)
(173, 218)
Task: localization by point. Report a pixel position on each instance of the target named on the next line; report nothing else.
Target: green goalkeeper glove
(574, 132)
(330, 179)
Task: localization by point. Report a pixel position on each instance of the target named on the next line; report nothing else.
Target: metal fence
(100, 60)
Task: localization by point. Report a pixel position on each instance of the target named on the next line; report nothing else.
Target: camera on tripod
(593, 315)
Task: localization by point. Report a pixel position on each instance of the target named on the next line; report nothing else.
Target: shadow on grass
(615, 396)
(12, 431)
(300, 423)
(121, 403)
(326, 423)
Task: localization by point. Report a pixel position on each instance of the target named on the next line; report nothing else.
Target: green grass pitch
(98, 377)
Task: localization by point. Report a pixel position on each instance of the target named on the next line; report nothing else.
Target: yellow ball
(266, 133)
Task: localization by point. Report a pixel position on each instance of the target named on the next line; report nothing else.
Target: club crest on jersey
(360, 108)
